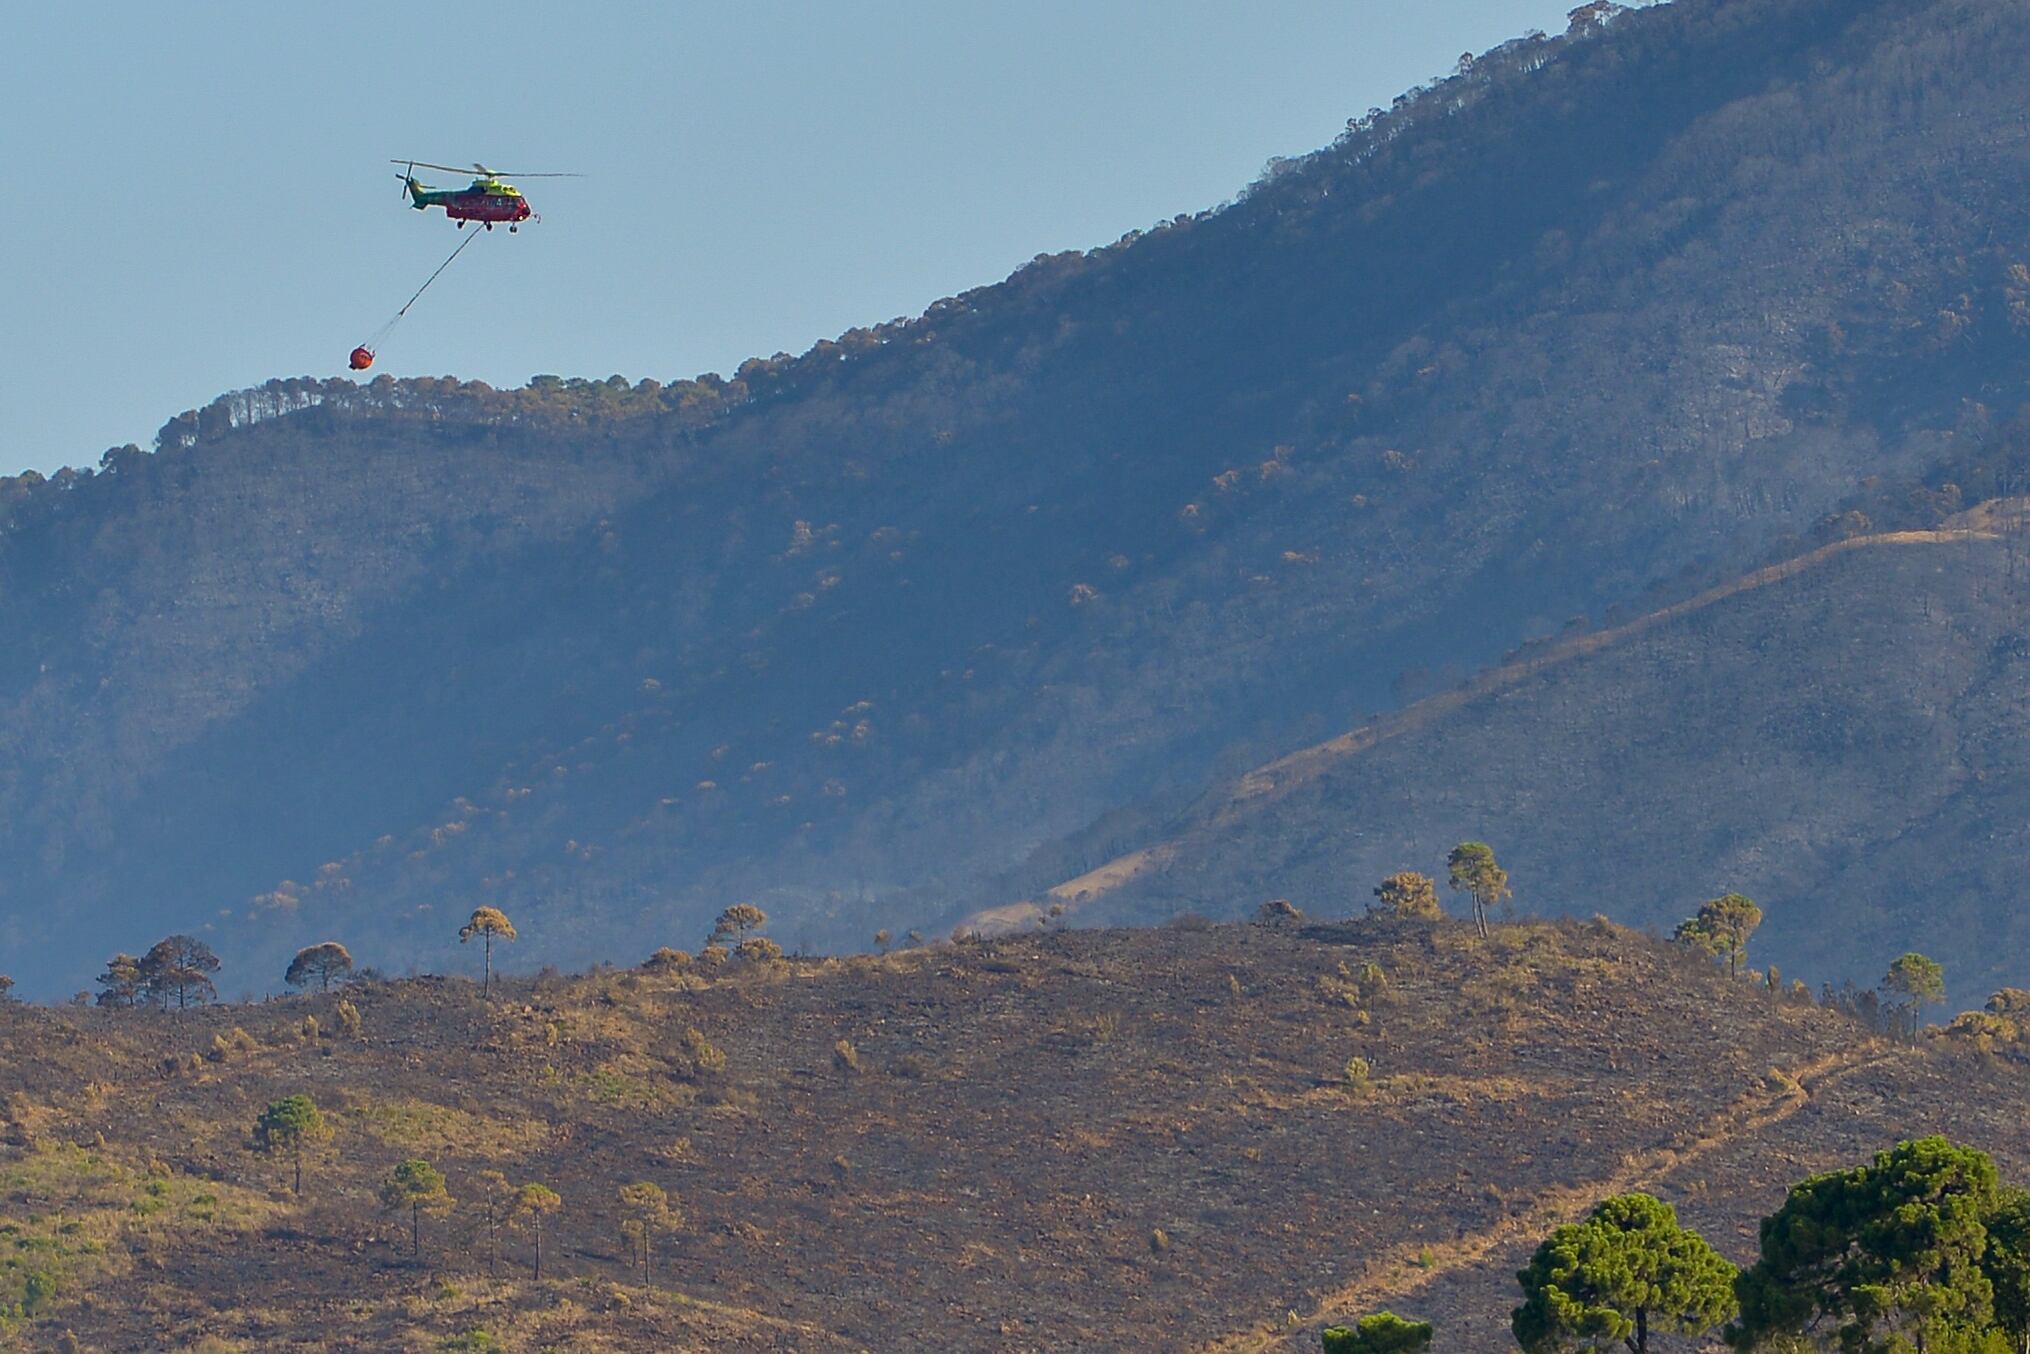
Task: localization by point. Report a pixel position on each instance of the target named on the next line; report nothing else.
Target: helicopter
(490, 199)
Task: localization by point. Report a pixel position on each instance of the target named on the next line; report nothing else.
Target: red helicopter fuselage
(488, 200)
(488, 207)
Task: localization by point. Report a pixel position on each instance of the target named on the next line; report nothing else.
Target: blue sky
(199, 198)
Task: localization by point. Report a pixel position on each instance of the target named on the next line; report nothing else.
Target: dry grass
(421, 1128)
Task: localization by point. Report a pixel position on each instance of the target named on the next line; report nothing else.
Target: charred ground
(1089, 1139)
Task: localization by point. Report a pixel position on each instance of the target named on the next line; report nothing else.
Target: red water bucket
(362, 358)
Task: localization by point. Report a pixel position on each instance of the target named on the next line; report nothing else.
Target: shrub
(348, 1019)
(1358, 1075)
(757, 950)
(1408, 894)
(667, 960)
(845, 1057)
(1382, 1333)
(700, 1056)
(39, 1292)
(2010, 1001)
(235, 1041)
(1278, 912)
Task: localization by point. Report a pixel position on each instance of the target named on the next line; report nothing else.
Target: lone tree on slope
(289, 1125)
(497, 1201)
(179, 966)
(320, 964)
(536, 1202)
(1722, 927)
(648, 1208)
(486, 923)
(1918, 982)
(419, 1187)
(1625, 1271)
(737, 921)
(1472, 870)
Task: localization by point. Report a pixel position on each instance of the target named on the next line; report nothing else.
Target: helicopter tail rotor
(411, 190)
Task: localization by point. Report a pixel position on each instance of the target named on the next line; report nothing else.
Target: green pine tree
(1627, 1272)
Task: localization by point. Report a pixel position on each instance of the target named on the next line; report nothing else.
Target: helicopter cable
(379, 334)
(433, 277)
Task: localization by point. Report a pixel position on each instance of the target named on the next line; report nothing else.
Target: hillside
(1024, 1117)
(1847, 725)
(867, 635)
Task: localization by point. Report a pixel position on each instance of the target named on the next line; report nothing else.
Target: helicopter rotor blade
(482, 169)
(423, 164)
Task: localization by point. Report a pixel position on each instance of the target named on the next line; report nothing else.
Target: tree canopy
(289, 1125)
(647, 1206)
(178, 967)
(487, 923)
(1722, 927)
(735, 921)
(536, 1202)
(1915, 982)
(2007, 1265)
(319, 963)
(417, 1186)
(1627, 1271)
(120, 984)
(1882, 1257)
(1471, 869)
(1408, 894)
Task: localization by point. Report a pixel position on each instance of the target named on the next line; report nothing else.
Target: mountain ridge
(1593, 322)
